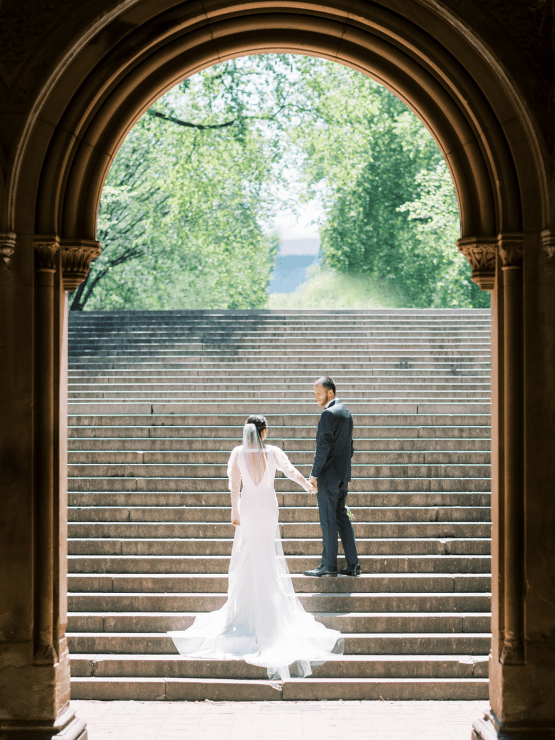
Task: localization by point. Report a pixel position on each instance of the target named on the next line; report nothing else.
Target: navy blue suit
(332, 468)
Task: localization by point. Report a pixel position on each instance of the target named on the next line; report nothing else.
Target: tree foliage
(391, 209)
(185, 212)
(189, 202)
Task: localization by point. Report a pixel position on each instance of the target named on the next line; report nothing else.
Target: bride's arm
(284, 464)
(234, 475)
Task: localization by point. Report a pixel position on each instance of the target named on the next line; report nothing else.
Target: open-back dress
(262, 621)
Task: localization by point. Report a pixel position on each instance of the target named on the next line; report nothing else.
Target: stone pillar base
(66, 727)
(489, 728)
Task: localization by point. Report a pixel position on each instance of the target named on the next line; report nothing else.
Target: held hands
(313, 483)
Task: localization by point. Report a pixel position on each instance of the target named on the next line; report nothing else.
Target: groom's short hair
(327, 383)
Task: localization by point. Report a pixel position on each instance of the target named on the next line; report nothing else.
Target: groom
(330, 475)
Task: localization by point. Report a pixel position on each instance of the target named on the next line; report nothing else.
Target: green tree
(185, 210)
(390, 203)
(191, 196)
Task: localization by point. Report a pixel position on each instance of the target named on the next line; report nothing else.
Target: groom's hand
(313, 481)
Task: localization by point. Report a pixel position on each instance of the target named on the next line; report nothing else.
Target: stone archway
(115, 59)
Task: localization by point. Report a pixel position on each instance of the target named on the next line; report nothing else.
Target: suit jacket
(334, 443)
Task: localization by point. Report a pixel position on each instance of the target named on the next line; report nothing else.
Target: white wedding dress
(262, 621)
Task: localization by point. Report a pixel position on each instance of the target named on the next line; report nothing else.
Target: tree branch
(187, 124)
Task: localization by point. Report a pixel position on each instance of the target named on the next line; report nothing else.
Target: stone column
(34, 659)
(511, 253)
(46, 249)
(522, 661)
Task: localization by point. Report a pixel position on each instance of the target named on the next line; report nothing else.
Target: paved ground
(341, 720)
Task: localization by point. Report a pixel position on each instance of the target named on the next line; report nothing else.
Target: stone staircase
(156, 402)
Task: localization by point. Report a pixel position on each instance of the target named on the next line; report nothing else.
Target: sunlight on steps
(157, 400)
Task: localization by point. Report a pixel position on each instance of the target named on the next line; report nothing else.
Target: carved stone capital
(45, 252)
(481, 252)
(7, 246)
(548, 244)
(511, 250)
(77, 255)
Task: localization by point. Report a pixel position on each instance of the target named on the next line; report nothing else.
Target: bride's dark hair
(259, 422)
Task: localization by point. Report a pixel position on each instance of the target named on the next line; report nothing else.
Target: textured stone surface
(404, 568)
(274, 719)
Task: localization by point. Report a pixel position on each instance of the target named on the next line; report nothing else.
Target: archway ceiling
(137, 57)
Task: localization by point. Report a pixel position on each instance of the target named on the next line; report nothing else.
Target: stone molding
(511, 250)
(481, 252)
(46, 248)
(77, 255)
(7, 246)
(548, 244)
(65, 727)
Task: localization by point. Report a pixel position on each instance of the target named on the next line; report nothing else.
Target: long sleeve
(324, 439)
(234, 475)
(284, 464)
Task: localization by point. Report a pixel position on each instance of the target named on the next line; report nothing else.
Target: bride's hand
(311, 488)
(236, 522)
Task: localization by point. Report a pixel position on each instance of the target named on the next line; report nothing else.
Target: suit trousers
(334, 519)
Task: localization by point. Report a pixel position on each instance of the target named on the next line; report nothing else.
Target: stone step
(258, 348)
(412, 643)
(349, 622)
(207, 564)
(113, 427)
(239, 318)
(208, 385)
(211, 578)
(360, 332)
(319, 602)
(284, 499)
(289, 425)
(467, 366)
(367, 436)
(341, 666)
(305, 689)
(232, 327)
(384, 546)
(279, 412)
(303, 514)
(293, 340)
(233, 324)
(208, 471)
(247, 375)
(111, 323)
(203, 445)
(263, 353)
(184, 396)
(201, 530)
(260, 355)
(197, 458)
(214, 485)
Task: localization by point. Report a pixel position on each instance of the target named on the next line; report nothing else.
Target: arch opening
(264, 99)
(128, 76)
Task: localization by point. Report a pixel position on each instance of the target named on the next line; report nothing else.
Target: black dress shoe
(351, 570)
(320, 571)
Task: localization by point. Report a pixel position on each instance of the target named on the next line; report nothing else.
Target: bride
(262, 621)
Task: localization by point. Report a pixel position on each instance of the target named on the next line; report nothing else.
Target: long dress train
(262, 621)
